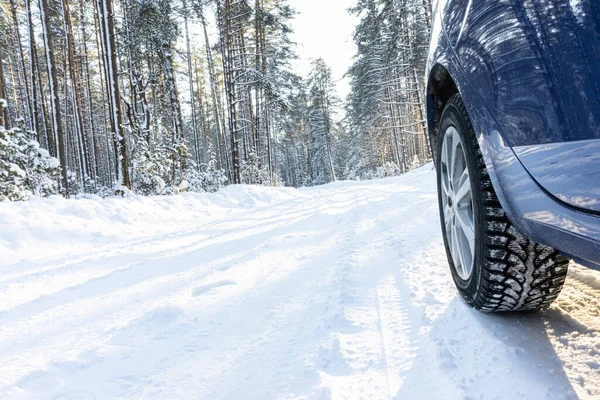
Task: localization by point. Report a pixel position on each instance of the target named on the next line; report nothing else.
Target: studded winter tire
(495, 267)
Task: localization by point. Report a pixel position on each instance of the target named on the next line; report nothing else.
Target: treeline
(164, 96)
(386, 108)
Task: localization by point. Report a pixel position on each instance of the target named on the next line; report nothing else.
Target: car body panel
(535, 65)
(568, 170)
(551, 218)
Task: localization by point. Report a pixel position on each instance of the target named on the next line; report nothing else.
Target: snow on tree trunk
(109, 51)
(57, 125)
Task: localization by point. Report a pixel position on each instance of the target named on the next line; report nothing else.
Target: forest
(160, 97)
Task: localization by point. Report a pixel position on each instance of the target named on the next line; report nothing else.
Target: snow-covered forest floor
(339, 291)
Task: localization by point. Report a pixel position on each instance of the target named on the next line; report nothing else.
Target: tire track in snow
(402, 314)
(396, 332)
(350, 343)
(374, 331)
(580, 298)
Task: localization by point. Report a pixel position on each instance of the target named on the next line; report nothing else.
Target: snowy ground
(340, 291)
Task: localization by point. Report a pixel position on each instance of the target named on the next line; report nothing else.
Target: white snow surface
(335, 292)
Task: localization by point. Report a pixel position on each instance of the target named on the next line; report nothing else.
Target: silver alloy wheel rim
(457, 201)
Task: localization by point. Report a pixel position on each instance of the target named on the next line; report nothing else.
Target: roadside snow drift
(335, 292)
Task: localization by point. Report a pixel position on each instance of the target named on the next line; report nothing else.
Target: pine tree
(25, 168)
(386, 106)
(323, 100)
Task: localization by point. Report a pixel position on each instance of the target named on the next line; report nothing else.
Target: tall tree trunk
(132, 108)
(191, 82)
(258, 27)
(109, 166)
(140, 91)
(204, 112)
(266, 101)
(421, 101)
(32, 80)
(77, 103)
(176, 117)
(50, 138)
(327, 119)
(3, 110)
(109, 51)
(14, 85)
(53, 86)
(427, 12)
(228, 53)
(392, 121)
(90, 110)
(30, 112)
(216, 99)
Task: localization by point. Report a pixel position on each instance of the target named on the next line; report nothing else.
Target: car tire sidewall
(452, 117)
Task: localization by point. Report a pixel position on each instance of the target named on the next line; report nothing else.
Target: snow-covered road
(337, 292)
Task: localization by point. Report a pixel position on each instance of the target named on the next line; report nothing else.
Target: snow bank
(47, 228)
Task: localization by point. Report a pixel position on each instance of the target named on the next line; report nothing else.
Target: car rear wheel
(495, 267)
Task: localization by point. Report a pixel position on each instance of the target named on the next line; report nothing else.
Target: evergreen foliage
(102, 83)
(25, 168)
(385, 109)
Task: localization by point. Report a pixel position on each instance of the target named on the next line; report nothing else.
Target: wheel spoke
(464, 191)
(464, 177)
(447, 213)
(447, 216)
(465, 263)
(453, 149)
(455, 248)
(445, 152)
(445, 184)
(466, 226)
(467, 241)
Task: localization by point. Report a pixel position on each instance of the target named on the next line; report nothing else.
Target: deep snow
(340, 291)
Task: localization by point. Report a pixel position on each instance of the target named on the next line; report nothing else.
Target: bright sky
(323, 28)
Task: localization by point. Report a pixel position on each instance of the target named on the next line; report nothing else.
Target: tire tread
(518, 274)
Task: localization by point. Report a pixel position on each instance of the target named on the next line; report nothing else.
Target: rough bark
(191, 83)
(77, 103)
(55, 113)
(3, 110)
(30, 112)
(109, 51)
(32, 73)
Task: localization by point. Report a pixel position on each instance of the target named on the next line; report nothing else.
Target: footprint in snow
(77, 395)
(200, 290)
(40, 381)
(160, 316)
(333, 358)
(153, 325)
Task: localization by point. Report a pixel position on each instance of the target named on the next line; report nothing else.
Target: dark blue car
(513, 108)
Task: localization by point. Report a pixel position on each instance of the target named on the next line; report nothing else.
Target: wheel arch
(446, 79)
(440, 88)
